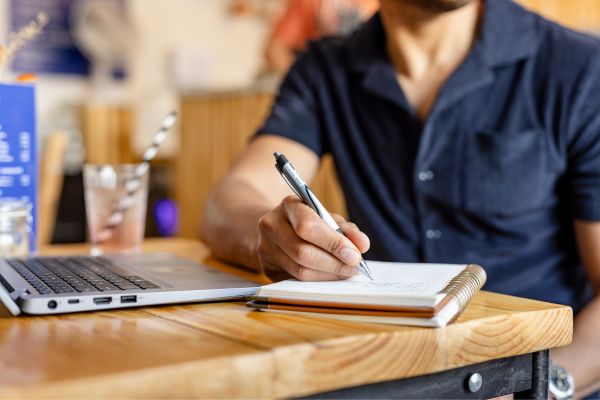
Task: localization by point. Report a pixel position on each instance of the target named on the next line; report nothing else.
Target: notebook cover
(261, 305)
(427, 312)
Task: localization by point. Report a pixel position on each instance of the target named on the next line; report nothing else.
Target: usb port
(102, 300)
(73, 301)
(129, 299)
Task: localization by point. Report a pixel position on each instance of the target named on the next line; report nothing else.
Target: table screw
(475, 382)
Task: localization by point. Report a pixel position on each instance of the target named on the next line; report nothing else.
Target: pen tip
(276, 154)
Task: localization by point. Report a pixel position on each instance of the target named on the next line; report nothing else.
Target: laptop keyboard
(76, 275)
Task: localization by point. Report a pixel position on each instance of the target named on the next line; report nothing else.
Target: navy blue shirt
(508, 157)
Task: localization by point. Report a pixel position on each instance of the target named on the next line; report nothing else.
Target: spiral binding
(464, 286)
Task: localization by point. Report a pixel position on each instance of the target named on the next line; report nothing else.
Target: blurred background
(107, 71)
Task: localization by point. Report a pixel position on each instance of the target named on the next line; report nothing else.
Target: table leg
(539, 385)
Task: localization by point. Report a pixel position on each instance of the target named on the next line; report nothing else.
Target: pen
(302, 190)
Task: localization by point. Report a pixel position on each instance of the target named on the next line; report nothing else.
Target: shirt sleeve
(583, 147)
(295, 111)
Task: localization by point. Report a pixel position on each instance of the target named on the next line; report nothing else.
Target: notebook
(400, 293)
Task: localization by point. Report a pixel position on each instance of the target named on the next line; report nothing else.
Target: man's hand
(295, 242)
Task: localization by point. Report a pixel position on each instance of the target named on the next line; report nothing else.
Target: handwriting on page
(404, 287)
(389, 279)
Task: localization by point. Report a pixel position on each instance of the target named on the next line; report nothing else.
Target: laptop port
(73, 301)
(129, 299)
(102, 300)
(52, 304)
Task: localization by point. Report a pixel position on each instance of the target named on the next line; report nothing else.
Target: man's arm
(248, 220)
(582, 357)
(250, 189)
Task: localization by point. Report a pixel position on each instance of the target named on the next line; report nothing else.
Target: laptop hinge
(9, 295)
(14, 293)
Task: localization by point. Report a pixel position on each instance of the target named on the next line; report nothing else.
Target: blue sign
(18, 158)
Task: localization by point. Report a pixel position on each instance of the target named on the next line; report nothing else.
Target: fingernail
(349, 256)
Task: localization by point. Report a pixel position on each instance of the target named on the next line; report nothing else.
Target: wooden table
(226, 350)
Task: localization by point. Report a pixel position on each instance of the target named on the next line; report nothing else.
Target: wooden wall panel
(214, 130)
(107, 131)
(582, 15)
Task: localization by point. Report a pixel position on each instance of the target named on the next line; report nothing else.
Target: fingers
(356, 236)
(338, 218)
(277, 265)
(352, 232)
(280, 232)
(309, 227)
(294, 241)
(311, 256)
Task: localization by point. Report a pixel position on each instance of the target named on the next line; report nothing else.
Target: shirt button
(425, 176)
(433, 234)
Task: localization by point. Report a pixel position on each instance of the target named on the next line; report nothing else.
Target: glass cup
(115, 205)
(15, 227)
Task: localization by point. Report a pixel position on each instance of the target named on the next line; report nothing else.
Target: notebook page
(391, 280)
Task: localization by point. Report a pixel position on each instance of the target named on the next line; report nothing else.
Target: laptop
(55, 285)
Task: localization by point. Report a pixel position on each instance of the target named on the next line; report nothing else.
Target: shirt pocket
(504, 172)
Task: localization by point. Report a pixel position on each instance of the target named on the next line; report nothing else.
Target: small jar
(15, 227)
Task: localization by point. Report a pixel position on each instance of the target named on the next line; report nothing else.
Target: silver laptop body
(129, 281)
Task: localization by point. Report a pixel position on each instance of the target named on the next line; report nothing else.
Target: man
(462, 131)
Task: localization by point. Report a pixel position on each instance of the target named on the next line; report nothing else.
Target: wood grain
(119, 353)
(222, 350)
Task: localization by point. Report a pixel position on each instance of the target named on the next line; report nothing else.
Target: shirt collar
(508, 34)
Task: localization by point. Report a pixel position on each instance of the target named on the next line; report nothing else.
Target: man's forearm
(229, 223)
(582, 357)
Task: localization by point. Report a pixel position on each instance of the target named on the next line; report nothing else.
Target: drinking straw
(133, 184)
